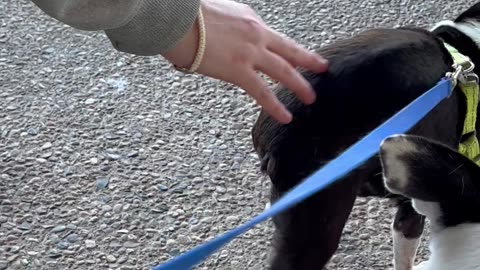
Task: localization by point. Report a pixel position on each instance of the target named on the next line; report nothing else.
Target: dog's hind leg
(407, 228)
(307, 235)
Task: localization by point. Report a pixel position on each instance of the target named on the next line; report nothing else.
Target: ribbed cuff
(156, 28)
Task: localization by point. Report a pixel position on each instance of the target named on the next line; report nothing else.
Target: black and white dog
(371, 77)
(445, 187)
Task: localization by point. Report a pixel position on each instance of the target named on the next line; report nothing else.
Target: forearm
(142, 27)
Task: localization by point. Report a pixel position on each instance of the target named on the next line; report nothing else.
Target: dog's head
(463, 33)
(443, 184)
(467, 22)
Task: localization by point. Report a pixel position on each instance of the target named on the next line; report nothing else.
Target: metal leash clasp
(454, 76)
(462, 72)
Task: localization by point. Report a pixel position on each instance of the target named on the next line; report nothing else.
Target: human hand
(238, 44)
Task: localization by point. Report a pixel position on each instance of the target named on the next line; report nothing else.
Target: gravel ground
(111, 161)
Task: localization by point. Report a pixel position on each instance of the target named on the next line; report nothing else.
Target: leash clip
(453, 76)
(463, 72)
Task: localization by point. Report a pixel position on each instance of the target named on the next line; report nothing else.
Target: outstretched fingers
(256, 87)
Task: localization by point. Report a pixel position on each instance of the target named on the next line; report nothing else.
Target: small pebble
(113, 156)
(102, 183)
(72, 238)
(171, 243)
(46, 146)
(90, 243)
(231, 219)
(3, 219)
(32, 131)
(54, 254)
(63, 245)
(25, 226)
(58, 228)
(111, 258)
(46, 154)
(117, 208)
(90, 101)
(132, 154)
(130, 244)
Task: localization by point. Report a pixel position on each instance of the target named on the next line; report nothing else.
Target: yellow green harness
(468, 82)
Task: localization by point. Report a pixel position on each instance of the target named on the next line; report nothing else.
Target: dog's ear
(419, 168)
(471, 14)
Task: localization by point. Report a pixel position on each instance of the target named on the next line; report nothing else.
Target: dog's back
(371, 76)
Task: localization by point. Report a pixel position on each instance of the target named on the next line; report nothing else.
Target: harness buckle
(469, 78)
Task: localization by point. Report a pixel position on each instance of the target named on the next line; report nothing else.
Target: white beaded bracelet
(201, 46)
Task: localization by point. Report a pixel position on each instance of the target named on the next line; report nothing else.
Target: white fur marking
(397, 174)
(404, 251)
(443, 23)
(455, 248)
(431, 210)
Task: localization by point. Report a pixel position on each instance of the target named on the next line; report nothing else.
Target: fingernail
(286, 117)
(312, 98)
(322, 60)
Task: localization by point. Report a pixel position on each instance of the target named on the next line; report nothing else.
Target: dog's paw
(394, 153)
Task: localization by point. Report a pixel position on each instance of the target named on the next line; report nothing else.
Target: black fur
(407, 220)
(371, 77)
(473, 13)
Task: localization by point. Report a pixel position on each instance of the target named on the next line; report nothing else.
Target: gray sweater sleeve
(142, 27)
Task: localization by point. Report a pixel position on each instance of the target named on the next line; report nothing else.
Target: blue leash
(352, 158)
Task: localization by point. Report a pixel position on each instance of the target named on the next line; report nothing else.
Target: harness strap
(469, 145)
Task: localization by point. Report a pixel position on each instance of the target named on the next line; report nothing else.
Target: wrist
(183, 54)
